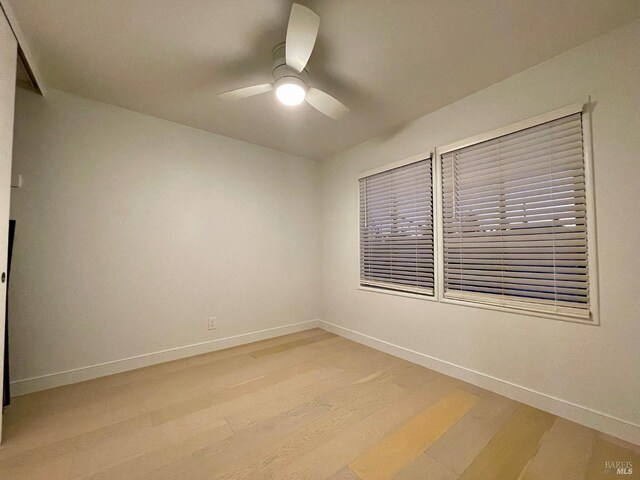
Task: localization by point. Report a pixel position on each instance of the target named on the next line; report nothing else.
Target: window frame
(517, 306)
(428, 155)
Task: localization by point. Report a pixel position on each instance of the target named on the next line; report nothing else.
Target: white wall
(597, 368)
(131, 231)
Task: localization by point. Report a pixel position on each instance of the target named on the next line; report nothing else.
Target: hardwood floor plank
(564, 453)
(340, 417)
(344, 474)
(289, 345)
(139, 466)
(392, 454)
(514, 444)
(217, 377)
(621, 443)
(39, 429)
(67, 402)
(352, 442)
(475, 390)
(363, 386)
(194, 455)
(250, 454)
(608, 457)
(248, 395)
(241, 443)
(100, 448)
(251, 347)
(270, 406)
(457, 448)
(264, 396)
(426, 468)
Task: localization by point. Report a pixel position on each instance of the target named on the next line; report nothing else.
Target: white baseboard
(577, 413)
(44, 382)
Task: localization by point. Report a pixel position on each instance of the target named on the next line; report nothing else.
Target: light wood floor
(310, 405)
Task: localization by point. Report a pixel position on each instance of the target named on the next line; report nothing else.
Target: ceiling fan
(290, 79)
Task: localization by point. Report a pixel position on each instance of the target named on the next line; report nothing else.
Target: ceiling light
(290, 93)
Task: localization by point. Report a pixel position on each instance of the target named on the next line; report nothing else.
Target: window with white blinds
(396, 229)
(514, 220)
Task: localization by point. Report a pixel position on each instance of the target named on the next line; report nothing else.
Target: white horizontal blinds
(514, 220)
(396, 229)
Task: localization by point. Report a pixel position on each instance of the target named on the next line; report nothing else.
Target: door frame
(8, 63)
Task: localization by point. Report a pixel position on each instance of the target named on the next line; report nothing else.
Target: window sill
(592, 320)
(398, 293)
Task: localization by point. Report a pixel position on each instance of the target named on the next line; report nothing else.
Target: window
(396, 229)
(514, 215)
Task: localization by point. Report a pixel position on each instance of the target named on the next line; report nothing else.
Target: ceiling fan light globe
(290, 93)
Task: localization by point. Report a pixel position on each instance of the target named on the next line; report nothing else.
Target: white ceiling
(389, 61)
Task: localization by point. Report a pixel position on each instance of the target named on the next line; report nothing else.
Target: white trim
(400, 163)
(590, 186)
(399, 293)
(589, 417)
(517, 309)
(57, 379)
(438, 236)
(514, 127)
(373, 284)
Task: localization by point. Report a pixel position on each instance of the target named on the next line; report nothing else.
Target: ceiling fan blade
(325, 103)
(301, 36)
(246, 92)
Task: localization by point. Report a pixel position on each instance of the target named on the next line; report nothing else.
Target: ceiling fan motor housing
(285, 74)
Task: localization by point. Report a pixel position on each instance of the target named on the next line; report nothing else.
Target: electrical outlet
(212, 323)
